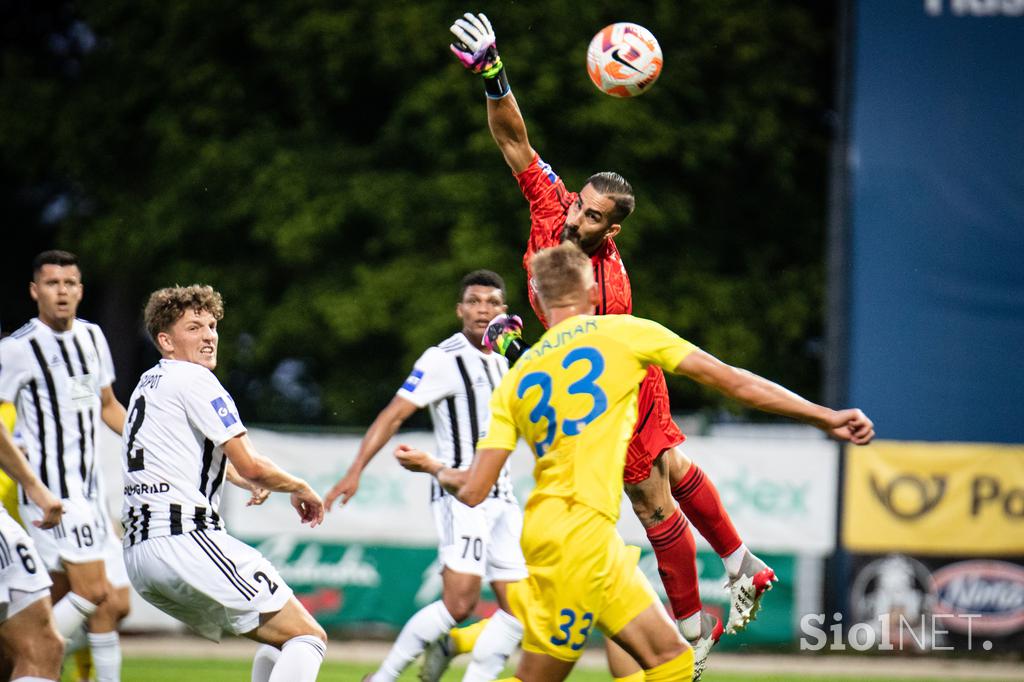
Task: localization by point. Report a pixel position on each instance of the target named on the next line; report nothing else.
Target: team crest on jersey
(82, 390)
(413, 381)
(227, 418)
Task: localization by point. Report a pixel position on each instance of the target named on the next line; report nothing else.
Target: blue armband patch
(227, 418)
(413, 381)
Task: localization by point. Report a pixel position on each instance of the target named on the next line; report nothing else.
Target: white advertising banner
(780, 492)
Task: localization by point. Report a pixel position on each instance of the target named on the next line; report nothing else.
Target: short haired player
(182, 431)
(658, 475)
(58, 372)
(573, 398)
(455, 379)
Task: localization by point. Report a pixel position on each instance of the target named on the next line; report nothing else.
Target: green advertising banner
(356, 588)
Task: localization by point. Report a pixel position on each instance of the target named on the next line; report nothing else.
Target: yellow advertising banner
(949, 499)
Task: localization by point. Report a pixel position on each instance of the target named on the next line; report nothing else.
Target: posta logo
(937, 499)
(992, 589)
(908, 496)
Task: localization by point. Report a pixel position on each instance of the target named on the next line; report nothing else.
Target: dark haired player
(657, 474)
(455, 379)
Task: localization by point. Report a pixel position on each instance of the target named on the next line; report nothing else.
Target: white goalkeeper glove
(476, 47)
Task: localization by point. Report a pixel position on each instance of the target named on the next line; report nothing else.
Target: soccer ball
(624, 60)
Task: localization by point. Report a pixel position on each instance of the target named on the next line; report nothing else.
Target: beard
(569, 235)
(587, 245)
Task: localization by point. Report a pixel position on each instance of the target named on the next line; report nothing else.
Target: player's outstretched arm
(509, 132)
(850, 425)
(470, 486)
(383, 429)
(13, 462)
(262, 472)
(476, 48)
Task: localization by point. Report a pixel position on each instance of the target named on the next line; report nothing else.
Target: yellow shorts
(582, 576)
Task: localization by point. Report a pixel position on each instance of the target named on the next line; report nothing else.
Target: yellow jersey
(8, 488)
(573, 398)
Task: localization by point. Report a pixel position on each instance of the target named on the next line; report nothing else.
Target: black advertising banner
(900, 602)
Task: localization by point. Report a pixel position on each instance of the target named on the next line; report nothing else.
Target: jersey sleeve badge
(227, 418)
(413, 380)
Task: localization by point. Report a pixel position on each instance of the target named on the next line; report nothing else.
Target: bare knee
(42, 647)
(460, 604)
(677, 464)
(89, 581)
(306, 626)
(95, 592)
(34, 644)
(650, 506)
(314, 630)
(120, 603)
(50, 646)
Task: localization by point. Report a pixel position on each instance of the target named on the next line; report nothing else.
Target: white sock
(426, 625)
(76, 641)
(263, 662)
(496, 642)
(70, 612)
(300, 660)
(106, 655)
(33, 679)
(734, 561)
(690, 626)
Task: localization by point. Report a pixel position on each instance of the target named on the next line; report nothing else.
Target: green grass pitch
(218, 670)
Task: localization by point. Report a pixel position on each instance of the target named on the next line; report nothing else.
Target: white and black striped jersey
(456, 380)
(55, 380)
(179, 418)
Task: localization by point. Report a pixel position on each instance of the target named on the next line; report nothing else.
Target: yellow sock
(679, 669)
(509, 679)
(83, 663)
(638, 676)
(464, 639)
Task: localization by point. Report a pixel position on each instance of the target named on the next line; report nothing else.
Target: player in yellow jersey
(8, 488)
(573, 398)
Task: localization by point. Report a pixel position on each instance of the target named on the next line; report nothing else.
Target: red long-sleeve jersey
(549, 203)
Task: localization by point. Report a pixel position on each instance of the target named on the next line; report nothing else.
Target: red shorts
(655, 431)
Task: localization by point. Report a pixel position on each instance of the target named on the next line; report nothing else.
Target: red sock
(699, 500)
(677, 563)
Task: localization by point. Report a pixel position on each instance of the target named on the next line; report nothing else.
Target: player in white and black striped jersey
(182, 432)
(58, 372)
(32, 646)
(455, 379)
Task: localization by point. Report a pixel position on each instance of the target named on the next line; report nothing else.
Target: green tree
(328, 167)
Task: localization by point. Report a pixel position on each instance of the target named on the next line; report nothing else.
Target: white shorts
(113, 549)
(77, 539)
(113, 559)
(208, 580)
(481, 540)
(23, 577)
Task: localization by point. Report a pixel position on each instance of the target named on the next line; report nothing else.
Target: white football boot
(745, 591)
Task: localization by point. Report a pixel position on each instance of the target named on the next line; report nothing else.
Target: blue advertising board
(935, 167)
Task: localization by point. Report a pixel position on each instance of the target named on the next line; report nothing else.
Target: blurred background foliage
(327, 166)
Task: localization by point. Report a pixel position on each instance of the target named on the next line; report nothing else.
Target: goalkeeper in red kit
(667, 490)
